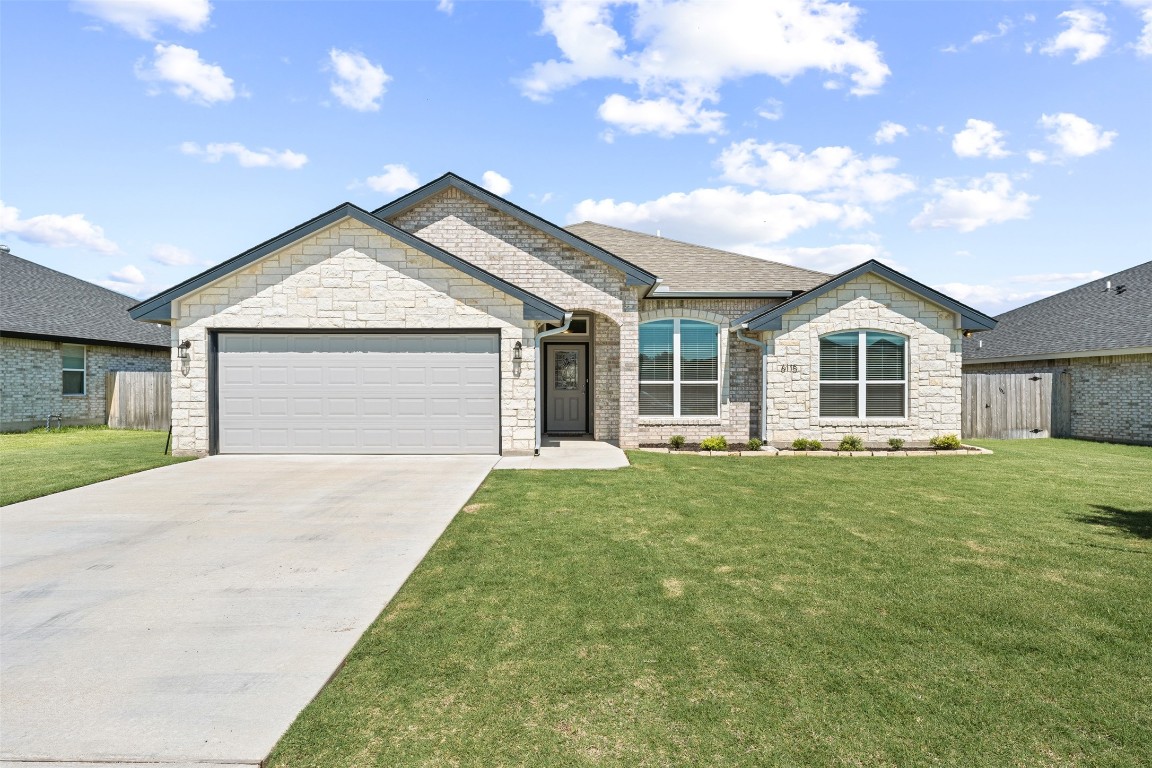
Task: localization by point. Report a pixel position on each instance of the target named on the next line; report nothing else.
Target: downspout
(763, 378)
(540, 378)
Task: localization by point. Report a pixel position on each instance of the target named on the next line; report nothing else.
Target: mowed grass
(692, 611)
(39, 463)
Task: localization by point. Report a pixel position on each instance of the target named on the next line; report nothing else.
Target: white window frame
(675, 381)
(861, 381)
(83, 372)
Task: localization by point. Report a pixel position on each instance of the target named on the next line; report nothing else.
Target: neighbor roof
(771, 318)
(696, 269)
(1088, 318)
(40, 303)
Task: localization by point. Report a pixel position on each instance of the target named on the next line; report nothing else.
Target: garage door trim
(213, 365)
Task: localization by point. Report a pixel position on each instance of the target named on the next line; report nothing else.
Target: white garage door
(358, 393)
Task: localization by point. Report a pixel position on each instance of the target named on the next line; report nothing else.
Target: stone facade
(349, 276)
(31, 385)
(1111, 395)
(866, 303)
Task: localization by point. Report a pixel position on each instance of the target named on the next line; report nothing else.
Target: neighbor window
(863, 374)
(72, 362)
(679, 368)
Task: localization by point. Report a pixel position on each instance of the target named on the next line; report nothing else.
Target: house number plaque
(789, 368)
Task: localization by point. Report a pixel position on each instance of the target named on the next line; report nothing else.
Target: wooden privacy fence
(1015, 405)
(139, 399)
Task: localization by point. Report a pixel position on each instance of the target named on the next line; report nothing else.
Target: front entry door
(566, 388)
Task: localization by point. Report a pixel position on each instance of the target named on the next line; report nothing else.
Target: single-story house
(1099, 336)
(453, 321)
(59, 336)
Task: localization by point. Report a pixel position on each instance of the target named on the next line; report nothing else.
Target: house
(59, 336)
(453, 321)
(1097, 335)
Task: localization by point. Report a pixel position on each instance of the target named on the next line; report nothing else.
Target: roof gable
(38, 302)
(771, 318)
(159, 307)
(635, 275)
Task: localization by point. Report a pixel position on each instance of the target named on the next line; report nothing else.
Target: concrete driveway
(187, 614)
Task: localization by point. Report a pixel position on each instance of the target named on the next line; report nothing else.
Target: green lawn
(693, 611)
(39, 463)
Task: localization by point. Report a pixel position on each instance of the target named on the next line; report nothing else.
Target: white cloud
(56, 231)
(684, 50)
(980, 138)
(987, 200)
(833, 258)
(771, 109)
(663, 116)
(1086, 35)
(495, 183)
(142, 18)
(725, 217)
(888, 132)
(359, 83)
(446, 6)
(247, 158)
(396, 178)
(1075, 136)
(1003, 28)
(1010, 292)
(1037, 156)
(128, 274)
(171, 256)
(186, 75)
(831, 173)
(1143, 45)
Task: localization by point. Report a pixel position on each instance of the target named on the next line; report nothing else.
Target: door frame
(548, 374)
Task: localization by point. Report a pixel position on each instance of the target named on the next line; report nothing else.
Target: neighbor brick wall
(866, 303)
(1111, 395)
(31, 384)
(350, 276)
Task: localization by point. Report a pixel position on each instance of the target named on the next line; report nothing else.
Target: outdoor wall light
(183, 350)
(517, 358)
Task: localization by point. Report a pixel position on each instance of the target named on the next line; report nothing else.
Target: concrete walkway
(185, 615)
(569, 453)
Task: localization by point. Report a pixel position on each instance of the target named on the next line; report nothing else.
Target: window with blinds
(679, 368)
(863, 374)
(72, 364)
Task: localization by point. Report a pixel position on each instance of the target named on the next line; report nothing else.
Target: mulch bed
(732, 447)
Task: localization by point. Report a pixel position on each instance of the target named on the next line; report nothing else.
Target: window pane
(655, 399)
(839, 360)
(699, 399)
(698, 351)
(885, 400)
(839, 400)
(72, 356)
(73, 382)
(885, 357)
(656, 351)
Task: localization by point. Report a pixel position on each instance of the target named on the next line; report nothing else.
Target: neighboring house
(59, 336)
(452, 321)
(1099, 335)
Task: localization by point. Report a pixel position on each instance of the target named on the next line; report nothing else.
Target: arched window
(863, 374)
(679, 368)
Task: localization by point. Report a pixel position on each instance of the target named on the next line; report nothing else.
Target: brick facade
(1111, 395)
(31, 385)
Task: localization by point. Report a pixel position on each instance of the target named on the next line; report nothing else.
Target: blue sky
(998, 151)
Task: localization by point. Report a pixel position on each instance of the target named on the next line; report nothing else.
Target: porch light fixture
(517, 358)
(182, 350)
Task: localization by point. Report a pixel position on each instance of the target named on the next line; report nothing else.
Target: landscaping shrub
(755, 443)
(676, 442)
(715, 443)
(851, 443)
(804, 444)
(895, 443)
(945, 442)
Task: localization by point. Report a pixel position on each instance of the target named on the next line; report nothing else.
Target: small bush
(804, 444)
(851, 443)
(895, 443)
(715, 443)
(945, 442)
(755, 443)
(676, 442)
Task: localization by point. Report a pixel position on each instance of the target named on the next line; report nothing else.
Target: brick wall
(31, 382)
(1111, 395)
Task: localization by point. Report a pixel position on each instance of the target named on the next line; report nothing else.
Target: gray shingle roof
(41, 302)
(687, 267)
(1082, 319)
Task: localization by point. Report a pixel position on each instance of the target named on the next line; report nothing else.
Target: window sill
(879, 421)
(703, 421)
(82, 394)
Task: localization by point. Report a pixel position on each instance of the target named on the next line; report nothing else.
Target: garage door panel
(358, 393)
